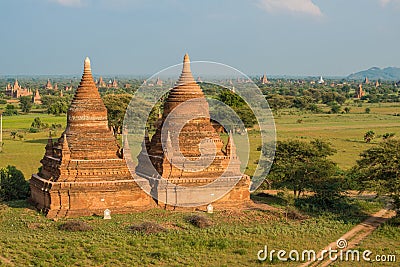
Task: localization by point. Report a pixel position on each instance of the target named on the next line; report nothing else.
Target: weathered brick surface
(186, 140)
(82, 172)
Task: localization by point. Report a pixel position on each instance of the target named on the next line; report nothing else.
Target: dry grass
(199, 221)
(75, 226)
(148, 228)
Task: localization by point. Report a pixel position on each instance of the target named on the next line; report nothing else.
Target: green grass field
(344, 131)
(27, 152)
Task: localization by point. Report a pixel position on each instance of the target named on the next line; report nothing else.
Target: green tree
(59, 107)
(277, 102)
(368, 136)
(303, 166)
(335, 108)
(37, 123)
(231, 99)
(379, 169)
(387, 136)
(55, 105)
(13, 134)
(239, 106)
(25, 103)
(116, 105)
(10, 110)
(347, 110)
(367, 110)
(13, 185)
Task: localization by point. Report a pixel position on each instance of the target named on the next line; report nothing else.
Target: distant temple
(359, 92)
(101, 83)
(176, 159)
(112, 84)
(37, 98)
(16, 90)
(264, 79)
(321, 80)
(366, 80)
(68, 88)
(159, 82)
(48, 85)
(83, 172)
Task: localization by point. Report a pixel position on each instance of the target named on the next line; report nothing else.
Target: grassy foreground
(233, 239)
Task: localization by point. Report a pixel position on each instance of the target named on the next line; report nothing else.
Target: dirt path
(6, 261)
(355, 235)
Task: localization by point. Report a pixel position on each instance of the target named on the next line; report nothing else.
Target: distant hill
(388, 74)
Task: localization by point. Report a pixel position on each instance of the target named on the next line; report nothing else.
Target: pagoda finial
(186, 63)
(87, 64)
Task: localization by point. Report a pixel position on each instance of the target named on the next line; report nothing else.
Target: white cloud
(293, 6)
(71, 3)
(387, 2)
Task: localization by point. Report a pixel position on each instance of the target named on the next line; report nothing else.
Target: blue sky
(140, 37)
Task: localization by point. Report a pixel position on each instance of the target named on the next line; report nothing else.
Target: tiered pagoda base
(73, 199)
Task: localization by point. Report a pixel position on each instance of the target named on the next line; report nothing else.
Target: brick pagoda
(83, 172)
(185, 141)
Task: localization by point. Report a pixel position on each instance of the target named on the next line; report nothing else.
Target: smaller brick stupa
(83, 172)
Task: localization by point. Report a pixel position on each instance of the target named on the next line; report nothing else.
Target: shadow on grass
(19, 204)
(37, 141)
(342, 208)
(266, 198)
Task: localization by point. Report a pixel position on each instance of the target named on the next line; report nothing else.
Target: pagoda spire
(65, 146)
(186, 75)
(230, 146)
(87, 77)
(185, 89)
(66, 152)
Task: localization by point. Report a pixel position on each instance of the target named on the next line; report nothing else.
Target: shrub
(13, 185)
(10, 110)
(33, 130)
(148, 228)
(75, 226)
(199, 221)
(25, 102)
